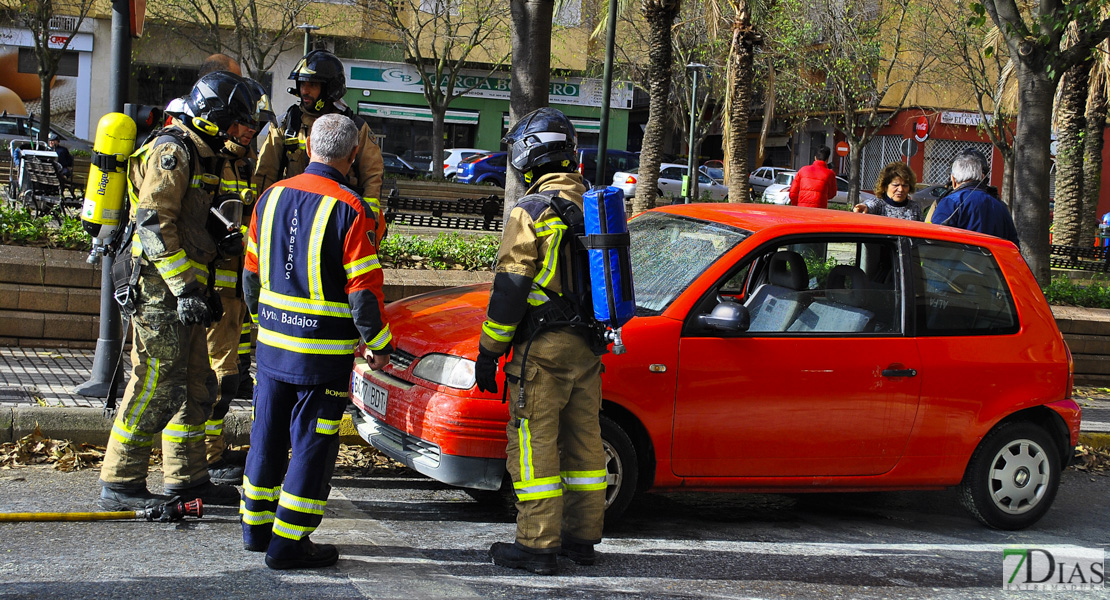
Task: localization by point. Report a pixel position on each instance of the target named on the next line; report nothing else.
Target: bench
(444, 205)
(1074, 257)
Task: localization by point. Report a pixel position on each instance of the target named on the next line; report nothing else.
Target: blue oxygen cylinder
(610, 262)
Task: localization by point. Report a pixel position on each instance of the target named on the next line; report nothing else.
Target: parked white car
(452, 156)
(670, 183)
(763, 177)
(779, 191)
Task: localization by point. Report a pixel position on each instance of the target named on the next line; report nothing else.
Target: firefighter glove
(485, 371)
(193, 309)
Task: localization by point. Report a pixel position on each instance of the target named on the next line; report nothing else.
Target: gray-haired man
(969, 207)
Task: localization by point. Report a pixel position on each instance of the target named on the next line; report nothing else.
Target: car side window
(841, 185)
(497, 161)
(9, 127)
(960, 290)
(670, 173)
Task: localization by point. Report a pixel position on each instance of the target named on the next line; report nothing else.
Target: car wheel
(622, 466)
(1012, 477)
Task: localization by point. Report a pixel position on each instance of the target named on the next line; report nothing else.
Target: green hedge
(445, 251)
(19, 227)
(1062, 291)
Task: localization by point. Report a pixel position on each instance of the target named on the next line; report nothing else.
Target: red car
(777, 349)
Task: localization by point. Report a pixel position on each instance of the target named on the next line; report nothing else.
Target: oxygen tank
(610, 262)
(101, 212)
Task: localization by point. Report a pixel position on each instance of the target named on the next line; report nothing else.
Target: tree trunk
(1007, 191)
(44, 107)
(659, 15)
(855, 158)
(1034, 124)
(1092, 163)
(1071, 125)
(438, 115)
(531, 68)
(740, 96)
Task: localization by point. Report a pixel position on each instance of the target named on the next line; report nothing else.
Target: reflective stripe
(524, 439)
(265, 232)
(362, 266)
(245, 347)
(374, 206)
(316, 245)
(130, 436)
(305, 346)
(325, 308)
(252, 248)
(499, 332)
(328, 426)
(555, 228)
(584, 481)
(200, 272)
(214, 427)
(260, 493)
(384, 337)
(183, 433)
(291, 531)
(172, 265)
(226, 278)
(150, 382)
(545, 487)
(255, 517)
(302, 504)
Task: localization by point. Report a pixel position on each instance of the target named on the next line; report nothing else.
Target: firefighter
(314, 284)
(172, 182)
(319, 83)
(555, 456)
(225, 337)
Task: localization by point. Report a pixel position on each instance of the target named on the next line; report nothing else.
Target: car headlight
(445, 369)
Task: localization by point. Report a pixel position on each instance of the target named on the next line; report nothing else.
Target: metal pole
(690, 173)
(307, 29)
(606, 91)
(110, 339)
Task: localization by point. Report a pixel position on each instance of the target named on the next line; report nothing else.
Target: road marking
(656, 547)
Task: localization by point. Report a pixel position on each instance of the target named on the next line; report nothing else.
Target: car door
(827, 388)
(670, 181)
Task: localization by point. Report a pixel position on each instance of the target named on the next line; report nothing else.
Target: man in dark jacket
(969, 207)
(815, 184)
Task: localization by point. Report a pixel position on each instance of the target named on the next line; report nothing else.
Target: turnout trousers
(167, 392)
(306, 418)
(224, 340)
(555, 456)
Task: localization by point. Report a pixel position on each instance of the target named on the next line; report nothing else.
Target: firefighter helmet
(324, 68)
(217, 101)
(542, 139)
(262, 100)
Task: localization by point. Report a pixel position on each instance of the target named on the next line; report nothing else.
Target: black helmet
(262, 101)
(542, 138)
(323, 67)
(217, 101)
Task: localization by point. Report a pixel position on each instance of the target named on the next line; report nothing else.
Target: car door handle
(899, 372)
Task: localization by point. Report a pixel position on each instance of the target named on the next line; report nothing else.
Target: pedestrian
(65, 159)
(893, 189)
(969, 206)
(320, 83)
(555, 455)
(814, 185)
(171, 249)
(982, 184)
(314, 284)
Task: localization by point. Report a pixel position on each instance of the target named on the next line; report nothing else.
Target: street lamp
(691, 174)
(308, 29)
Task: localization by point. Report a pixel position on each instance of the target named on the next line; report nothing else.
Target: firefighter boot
(224, 471)
(517, 556)
(209, 493)
(580, 552)
(115, 497)
(310, 556)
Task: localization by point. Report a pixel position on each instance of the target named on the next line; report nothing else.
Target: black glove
(192, 309)
(485, 371)
(215, 306)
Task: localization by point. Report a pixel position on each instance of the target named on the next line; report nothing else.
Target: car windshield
(669, 252)
(784, 178)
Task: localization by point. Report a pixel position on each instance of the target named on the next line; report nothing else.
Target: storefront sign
(81, 42)
(403, 77)
(969, 119)
(921, 129)
(413, 113)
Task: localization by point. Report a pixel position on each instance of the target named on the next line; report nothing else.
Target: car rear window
(784, 178)
(669, 252)
(960, 290)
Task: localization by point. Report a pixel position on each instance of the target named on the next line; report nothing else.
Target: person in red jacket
(814, 184)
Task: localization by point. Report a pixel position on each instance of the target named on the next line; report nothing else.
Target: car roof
(781, 220)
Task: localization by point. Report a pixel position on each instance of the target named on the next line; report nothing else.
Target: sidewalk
(36, 388)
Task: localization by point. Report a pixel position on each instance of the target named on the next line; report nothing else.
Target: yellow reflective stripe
(305, 346)
(226, 278)
(584, 481)
(537, 296)
(316, 245)
(545, 487)
(374, 206)
(246, 330)
(524, 439)
(361, 266)
(291, 531)
(302, 504)
(265, 233)
(499, 332)
(328, 426)
(215, 427)
(384, 337)
(174, 264)
(130, 436)
(196, 182)
(150, 382)
(252, 248)
(200, 272)
(233, 185)
(313, 306)
(550, 261)
(255, 517)
(181, 434)
(245, 347)
(260, 493)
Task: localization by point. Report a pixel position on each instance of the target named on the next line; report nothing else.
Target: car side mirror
(728, 317)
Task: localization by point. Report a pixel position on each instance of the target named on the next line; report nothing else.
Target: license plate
(372, 396)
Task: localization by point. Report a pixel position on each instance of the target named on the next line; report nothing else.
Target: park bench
(444, 205)
(1074, 257)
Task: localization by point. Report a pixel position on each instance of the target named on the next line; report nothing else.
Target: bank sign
(403, 77)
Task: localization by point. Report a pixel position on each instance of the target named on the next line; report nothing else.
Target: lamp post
(691, 174)
(307, 29)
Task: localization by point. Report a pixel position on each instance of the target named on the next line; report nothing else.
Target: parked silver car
(763, 177)
(670, 183)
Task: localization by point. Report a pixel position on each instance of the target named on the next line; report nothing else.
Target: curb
(1095, 440)
(90, 426)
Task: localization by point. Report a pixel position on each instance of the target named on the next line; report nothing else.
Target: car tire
(1012, 478)
(623, 466)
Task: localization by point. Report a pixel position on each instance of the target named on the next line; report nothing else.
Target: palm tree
(659, 16)
(741, 58)
(1071, 126)
(1092, 144)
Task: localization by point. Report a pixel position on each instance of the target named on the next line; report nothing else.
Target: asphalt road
(412, 538)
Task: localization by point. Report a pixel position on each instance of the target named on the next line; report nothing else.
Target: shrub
(19, 227)
(445, 251)
(1062, 291)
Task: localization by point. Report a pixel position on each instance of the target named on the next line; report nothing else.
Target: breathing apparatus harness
(292, 143)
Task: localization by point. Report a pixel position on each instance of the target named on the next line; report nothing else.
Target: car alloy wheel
(1012, 477)
(622, 466)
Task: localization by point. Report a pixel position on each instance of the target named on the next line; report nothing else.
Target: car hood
(446, 321)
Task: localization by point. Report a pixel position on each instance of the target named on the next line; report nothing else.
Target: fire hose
(169, 512)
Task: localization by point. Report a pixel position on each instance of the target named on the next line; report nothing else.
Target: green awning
(416, 113)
